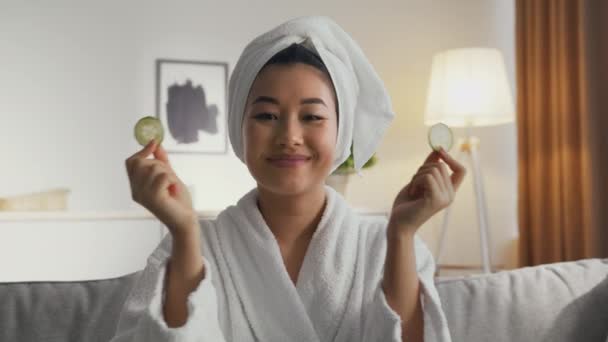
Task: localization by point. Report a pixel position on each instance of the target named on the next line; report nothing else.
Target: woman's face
(290, 128)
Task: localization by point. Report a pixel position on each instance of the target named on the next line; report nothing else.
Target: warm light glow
(469, 87)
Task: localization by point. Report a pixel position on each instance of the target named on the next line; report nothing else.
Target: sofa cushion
(62, 311)
(556, 302)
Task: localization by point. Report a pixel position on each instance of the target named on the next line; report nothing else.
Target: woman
(291, 261)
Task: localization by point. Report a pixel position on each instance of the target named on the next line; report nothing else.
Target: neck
(292, 217)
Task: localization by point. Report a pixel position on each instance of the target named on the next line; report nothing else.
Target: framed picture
(192, 104)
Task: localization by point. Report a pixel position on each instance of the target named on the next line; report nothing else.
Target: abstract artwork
(191, 103)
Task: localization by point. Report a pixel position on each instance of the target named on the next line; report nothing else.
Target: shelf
(20, 216)
(29, 216)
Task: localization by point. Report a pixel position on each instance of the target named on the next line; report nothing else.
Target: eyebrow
(272, 100)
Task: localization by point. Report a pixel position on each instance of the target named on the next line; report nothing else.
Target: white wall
(74, 79)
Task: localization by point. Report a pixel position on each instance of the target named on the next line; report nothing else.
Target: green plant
(349, 164)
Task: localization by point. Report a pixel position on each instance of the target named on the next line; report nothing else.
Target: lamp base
(469, 147)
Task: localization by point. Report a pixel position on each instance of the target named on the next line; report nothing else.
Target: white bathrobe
(247, 294)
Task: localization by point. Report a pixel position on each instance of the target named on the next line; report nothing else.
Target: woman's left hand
(430, 190)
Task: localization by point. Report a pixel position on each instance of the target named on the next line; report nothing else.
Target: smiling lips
(288, 160)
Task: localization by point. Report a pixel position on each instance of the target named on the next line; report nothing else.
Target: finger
(160, 183)
(146, 171)
(141, 171)
(415, 186)
(445, 176)
(432, 157)
(440, 172)
(417, 182)
(446, 179)
(459, 171)
(160, 168)
(134, 168)
(437, 196)
(412, 186)
(439, 178)
(433, 192)
(151, 173)
(143, 153)
(161, 155)
(428, 165)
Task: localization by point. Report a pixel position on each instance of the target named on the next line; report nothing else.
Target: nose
(289, 131)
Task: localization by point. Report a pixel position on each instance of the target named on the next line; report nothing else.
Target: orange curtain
(597, 43)
(559, 219)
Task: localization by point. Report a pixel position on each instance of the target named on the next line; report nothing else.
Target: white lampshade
(469, 87)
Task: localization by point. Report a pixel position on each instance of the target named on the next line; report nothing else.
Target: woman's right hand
(157, 188)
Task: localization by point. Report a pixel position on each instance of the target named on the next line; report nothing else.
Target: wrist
(188, 223)
(397, 243)
(186, 239)
(187, 255)
(400, 231)
(184, 229)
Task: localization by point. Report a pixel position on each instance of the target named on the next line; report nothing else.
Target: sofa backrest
(556, 302)
(62, 311)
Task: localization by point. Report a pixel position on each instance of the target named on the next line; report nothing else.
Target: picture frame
(192, 105)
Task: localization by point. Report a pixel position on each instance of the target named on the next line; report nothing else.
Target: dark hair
(297, 53)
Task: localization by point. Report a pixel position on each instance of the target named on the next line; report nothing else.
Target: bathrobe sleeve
(382, 323)
(142, 318)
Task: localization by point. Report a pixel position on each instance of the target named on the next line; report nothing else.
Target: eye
(312, 117)
(264, 116)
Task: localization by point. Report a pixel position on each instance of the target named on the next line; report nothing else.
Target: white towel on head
(365, 109)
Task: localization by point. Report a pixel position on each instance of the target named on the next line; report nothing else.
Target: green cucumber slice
(440, 135)
(148, 128)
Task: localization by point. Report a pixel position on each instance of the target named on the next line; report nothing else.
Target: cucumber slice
(440, 135)
(148, 128)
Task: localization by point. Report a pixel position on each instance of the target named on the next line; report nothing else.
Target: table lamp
(469, 87)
